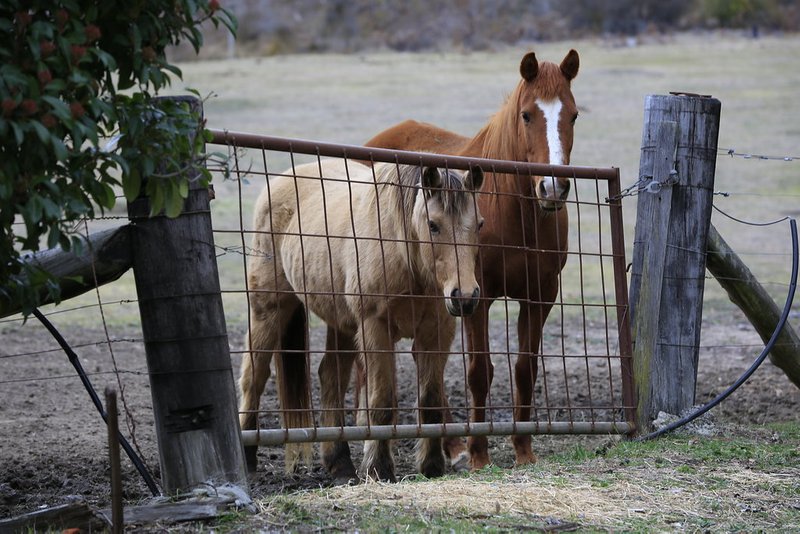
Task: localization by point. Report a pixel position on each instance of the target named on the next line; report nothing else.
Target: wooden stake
(117, 514)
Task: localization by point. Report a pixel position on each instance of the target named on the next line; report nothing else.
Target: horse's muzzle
(460, 305)
(549, 202)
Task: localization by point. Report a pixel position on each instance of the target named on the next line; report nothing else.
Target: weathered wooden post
(678, 158)
(188, 358)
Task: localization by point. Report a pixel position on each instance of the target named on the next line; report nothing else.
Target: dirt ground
(53, 445)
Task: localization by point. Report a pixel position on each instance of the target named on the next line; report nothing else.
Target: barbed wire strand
(732, 152)
(130, 421)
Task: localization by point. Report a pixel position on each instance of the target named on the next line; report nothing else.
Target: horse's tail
(294, 387)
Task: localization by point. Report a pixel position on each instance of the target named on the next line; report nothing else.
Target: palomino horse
(375, 253)
(524, 240)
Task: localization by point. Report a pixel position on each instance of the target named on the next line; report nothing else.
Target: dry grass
(657, 492)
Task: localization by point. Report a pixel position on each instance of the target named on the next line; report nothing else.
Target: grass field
(349, 98)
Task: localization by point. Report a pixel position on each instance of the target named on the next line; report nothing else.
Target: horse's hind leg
(269, 318)
(334, 377)
(381, 394)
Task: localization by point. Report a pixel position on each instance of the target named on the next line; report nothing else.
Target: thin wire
(130, 422)
(750, 223)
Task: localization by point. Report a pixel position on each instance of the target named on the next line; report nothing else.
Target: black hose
(787, 307)
(73, 358)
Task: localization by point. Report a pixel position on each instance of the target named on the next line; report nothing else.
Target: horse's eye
(434, 228)
(574, 118)
(526, 117)
(480, 225)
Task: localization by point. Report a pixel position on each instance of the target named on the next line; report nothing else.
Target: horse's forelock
(453, 194)
(549, 82)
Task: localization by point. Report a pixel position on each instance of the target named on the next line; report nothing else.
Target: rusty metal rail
(358, 433)
(317, 148)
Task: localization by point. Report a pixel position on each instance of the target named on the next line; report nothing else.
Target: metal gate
(585, 383)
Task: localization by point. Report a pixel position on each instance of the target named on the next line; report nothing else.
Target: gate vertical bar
(621, 298)
(672, 223)
(186, 342)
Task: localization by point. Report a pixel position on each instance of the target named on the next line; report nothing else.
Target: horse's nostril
(456, 293)
(542, 190)
(476, 293)
(565, 192)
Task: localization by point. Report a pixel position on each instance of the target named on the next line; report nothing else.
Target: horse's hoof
(461, 463)
(378, 473)
(346, 481)
(478, 462)
(527, 458)
(340, 467)
(251, 459)
(386, 477)
(344, 477)
(433, 467)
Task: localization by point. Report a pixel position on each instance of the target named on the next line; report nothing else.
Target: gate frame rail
(410, 431)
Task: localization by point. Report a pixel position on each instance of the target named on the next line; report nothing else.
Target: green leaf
(174, 202)
(132, 184)
(183, 188)
(59, 107)
(59, 148)
(54, 237)
(156, 199)
(41, 131)
(19, 133)
(51, 209)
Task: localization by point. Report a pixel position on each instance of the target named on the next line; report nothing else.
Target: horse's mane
(502, 133)
(451, 194)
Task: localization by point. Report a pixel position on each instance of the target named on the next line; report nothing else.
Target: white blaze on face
(551, 110)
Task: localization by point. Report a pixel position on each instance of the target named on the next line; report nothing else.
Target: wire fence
(110, 347)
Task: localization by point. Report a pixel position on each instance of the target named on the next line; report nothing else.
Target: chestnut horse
(378, 254)
(524, 240)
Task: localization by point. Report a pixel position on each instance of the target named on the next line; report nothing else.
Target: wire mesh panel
(340, 272)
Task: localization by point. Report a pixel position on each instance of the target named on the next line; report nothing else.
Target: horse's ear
(474, 179)
(529, 67)
(570, 65)
(431, 178)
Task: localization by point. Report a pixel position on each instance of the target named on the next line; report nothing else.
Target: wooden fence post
(188, 358)
(678, 157)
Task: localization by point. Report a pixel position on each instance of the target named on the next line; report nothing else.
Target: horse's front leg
(454, 447)
(381, 388)
(529, 329)
(334, 377)
(479, 377)
(432, 340)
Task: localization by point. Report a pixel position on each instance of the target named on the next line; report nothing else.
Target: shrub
(74, 74)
